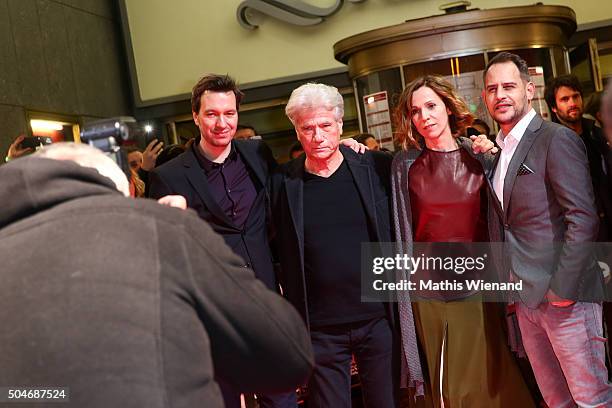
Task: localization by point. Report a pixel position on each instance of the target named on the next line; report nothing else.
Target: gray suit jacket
(549, 216)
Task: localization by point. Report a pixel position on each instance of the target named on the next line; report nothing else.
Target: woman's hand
(355, 145)
(482, 144)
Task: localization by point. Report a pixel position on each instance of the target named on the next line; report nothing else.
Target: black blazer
(183, 175)
(371, 172)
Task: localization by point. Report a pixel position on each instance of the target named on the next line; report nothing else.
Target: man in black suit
(325, 204)
(541, 179)
(225, 182)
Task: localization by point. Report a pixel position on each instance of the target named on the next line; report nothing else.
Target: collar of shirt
(517, 132)
(208, 165)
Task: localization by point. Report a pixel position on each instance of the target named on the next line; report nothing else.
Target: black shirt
(335, 225)
(231, 185)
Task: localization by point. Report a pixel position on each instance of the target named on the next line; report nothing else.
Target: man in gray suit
(541, 179)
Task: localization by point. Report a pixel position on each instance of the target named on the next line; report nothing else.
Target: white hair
(312, 96)
(88, 156)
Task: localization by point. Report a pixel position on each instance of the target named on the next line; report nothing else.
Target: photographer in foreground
(126, 302)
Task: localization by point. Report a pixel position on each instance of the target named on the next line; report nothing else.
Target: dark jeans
(285, 400)
(376, 351)
(231, 398)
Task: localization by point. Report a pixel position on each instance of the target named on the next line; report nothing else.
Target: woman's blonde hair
(460, 118)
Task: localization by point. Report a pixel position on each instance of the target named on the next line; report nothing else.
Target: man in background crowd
(565, 99)
(134, 158)
(369, 140)
(245, 132)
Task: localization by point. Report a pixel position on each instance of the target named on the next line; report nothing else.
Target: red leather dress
(448, 202)
(460, 336)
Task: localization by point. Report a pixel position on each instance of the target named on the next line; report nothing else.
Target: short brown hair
(460, 118)
(214, 83)
(553, 85)
(518, 62)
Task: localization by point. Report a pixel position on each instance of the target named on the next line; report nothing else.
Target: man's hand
(177, 201)
(482, 144)
(605, 271)
(355, 145)
(607, 133)
(15, 149)
(149, 156)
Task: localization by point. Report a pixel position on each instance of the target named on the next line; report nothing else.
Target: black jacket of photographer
(128, 303)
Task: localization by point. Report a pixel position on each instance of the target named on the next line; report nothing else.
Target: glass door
(584, 61)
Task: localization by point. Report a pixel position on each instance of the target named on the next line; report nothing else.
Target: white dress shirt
(508, 146)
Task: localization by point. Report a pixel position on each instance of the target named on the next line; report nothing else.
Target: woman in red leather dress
(440, 196)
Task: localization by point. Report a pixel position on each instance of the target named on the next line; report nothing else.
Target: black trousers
(376, 351)
(231, 398)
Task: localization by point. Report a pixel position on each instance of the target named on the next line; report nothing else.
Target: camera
(110, 134)
(35, 141)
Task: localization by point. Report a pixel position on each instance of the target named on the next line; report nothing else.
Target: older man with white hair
(124, 302)
(326, 203)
